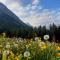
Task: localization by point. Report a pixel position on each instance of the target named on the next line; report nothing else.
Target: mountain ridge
(9, 21)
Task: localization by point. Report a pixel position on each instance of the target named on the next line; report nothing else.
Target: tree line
(53, 31)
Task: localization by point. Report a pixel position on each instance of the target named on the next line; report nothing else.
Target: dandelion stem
(27, 58)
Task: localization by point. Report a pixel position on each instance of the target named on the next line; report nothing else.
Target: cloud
(33, 13)
(3, 1)
(35, 2)
(45, 17)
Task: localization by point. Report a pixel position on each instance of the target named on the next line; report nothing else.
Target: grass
(17, 49)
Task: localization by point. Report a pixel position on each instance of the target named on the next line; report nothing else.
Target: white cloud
(34, 14)
(45, 17)
(35, 2)
(3, 1)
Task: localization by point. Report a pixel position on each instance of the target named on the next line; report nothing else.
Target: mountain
(28, 24)
(9, 21)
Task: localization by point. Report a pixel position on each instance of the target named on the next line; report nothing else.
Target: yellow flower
(1, 46)
(39, 41)
(30, 44)
(11, 53)
(11, 56)
(58, 48)
(41, 44)
(58, 54)
(16, 58)
(27, 46)
(43, 47)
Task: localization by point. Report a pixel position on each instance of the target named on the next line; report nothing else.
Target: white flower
(41, 44)
(8, 46)
(16, 45)
(21, 41)
(4, 34)
(36, 38)
(6, 52)
(26, 54)
(46, 37)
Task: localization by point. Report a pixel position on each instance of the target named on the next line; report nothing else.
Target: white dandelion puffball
(6, 52)
(36, 38)
(46, 37)
(26, 54)
(8, 46)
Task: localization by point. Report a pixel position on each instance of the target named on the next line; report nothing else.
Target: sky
(35, 12)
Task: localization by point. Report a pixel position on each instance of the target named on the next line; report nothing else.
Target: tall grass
(17, 49)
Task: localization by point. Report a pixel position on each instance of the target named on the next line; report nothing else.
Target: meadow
(29, 30)
(28, 49)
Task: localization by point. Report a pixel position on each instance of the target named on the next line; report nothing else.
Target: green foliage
(35, 50)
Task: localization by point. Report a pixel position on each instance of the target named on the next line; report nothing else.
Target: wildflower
(12, 55)
(16, 58)
(8, 46)
(26, 54)
(16, 45)
(3, 34)
(27, 46)
(58, 54)
(46, 37)
(20, 55)
(36, 38)
(41, 44)
(58, 48)
(6, 52)
(43, 47)
(21, 41)
(39, 41)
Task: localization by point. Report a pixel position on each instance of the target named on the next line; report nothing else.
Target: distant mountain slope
(9, 21)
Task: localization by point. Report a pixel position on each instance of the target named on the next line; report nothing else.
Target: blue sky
(35, 12)
(26, 2)
(50, 4)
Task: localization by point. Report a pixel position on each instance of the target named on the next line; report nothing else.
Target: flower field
(18, 49)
